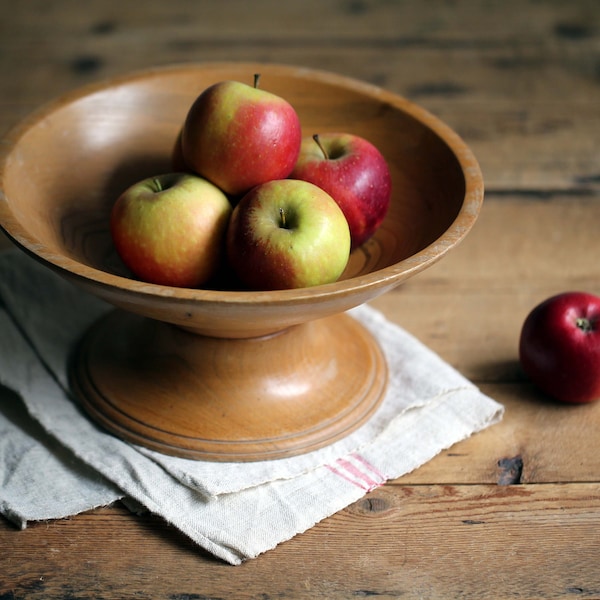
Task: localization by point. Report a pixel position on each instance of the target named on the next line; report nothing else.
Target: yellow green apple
(287, 234)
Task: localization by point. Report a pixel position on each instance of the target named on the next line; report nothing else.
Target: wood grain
(402, 541)
(552, 442)
(513, 78)
(251, 399)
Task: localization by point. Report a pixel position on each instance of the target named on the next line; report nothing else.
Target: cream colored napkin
(54, 461)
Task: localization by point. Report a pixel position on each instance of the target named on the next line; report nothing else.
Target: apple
(170, 229)
(177, 162)
(286, 234)
(239, 136)
(354, 173)
(559, 347)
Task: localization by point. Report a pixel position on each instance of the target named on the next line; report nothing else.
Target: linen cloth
(55, 462)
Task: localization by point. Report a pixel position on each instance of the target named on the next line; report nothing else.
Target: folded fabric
(234, 510)
(40, 478)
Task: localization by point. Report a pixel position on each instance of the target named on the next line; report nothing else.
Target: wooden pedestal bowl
(222, 374)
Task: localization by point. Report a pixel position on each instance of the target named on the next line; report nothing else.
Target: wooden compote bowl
(223, 374)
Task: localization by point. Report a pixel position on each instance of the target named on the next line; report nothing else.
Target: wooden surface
(513, 512)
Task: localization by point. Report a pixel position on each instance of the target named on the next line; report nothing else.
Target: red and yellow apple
(239, 136)
(287, 234)
(354, 173)
(170, 229)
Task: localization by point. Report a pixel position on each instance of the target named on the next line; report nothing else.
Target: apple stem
(256, 80)
(282, 216)
(158, 184)
(586, 325)
(318, 141)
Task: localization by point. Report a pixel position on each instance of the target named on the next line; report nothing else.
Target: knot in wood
(374, 504)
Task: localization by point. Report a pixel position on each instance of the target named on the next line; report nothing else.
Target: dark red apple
(177, 163)
(354, 173)
(559, 347)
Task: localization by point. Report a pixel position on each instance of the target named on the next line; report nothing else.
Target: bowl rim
(384, 278)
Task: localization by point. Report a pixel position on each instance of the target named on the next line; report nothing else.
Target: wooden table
(513, 512)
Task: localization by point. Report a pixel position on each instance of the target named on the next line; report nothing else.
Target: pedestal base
(205, 398)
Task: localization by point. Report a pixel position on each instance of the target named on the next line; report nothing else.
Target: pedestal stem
(205, 398)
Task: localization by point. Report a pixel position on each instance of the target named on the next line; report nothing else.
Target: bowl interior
(64, 166)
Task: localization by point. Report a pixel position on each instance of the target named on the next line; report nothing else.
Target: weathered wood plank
(548, 441)
(472, 64)
(399, 541)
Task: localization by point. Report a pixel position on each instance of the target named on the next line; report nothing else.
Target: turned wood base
(205, 398)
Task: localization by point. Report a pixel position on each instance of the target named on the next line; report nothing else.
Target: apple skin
(170, 229)
(177, 162)
(311, 248)
(559, 347)
(354, 173)
(239, 136)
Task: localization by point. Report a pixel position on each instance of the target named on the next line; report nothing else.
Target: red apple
(559, 348)
(354, 173)
(177, 162)
(287, 234)
(239, 136)
(170, 229)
